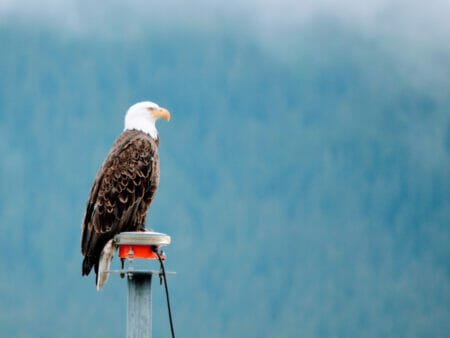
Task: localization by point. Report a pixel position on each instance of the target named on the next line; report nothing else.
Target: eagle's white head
(143, 115)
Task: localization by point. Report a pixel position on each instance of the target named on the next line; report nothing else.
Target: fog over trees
(306, 191)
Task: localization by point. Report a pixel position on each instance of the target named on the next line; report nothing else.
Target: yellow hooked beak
(161, 113)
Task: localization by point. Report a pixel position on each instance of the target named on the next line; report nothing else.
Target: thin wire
(167, 292)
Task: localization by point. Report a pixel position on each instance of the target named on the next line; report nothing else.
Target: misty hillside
(306, 195)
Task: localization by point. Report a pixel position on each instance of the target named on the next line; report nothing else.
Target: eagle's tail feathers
(104, 263)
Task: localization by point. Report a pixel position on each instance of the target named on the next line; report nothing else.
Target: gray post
(139, 313)
(139, 307)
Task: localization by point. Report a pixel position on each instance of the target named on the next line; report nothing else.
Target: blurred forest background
(305, 171)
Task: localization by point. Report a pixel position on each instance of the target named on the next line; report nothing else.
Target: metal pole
(139, 313)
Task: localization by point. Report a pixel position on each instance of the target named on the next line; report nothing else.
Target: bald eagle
(123, 188)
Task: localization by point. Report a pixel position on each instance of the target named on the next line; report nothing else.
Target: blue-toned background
(305, 171)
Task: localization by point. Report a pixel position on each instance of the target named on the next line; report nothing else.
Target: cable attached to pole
(155, 249)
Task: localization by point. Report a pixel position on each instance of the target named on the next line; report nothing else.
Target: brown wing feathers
(121, 194)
